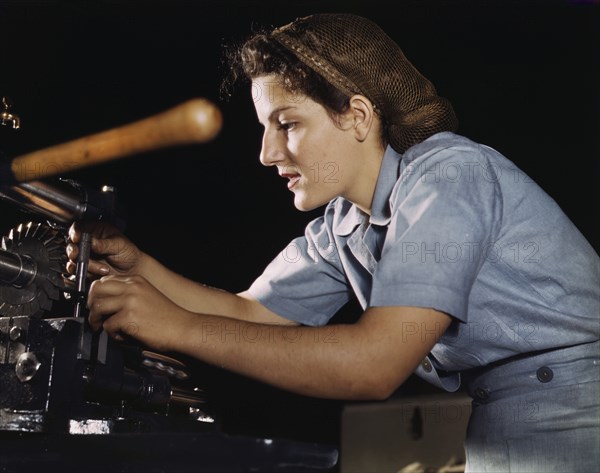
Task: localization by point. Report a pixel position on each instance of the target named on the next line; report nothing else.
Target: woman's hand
(112, 252)
(129, 306)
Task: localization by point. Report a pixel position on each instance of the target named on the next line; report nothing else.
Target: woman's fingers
(74, 233)
(102, 309)
(72, 251)
(131, 307)
(95, 268)
(116, 329)
(107, 243)
(101, 246)
(105, 298)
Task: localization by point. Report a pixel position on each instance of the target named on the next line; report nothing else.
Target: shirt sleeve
(446, 209)
(305, 282)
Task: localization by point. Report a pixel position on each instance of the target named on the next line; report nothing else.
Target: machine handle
(195, 121)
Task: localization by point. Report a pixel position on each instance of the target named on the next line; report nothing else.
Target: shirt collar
(388, 176)
(380, 207)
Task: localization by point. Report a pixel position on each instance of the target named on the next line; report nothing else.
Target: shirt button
(545, 374)
(427, 365)
(482, 394)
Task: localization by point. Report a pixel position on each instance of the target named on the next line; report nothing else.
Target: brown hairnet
(358, 57)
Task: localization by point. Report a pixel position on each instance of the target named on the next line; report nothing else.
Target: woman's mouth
(293, 179)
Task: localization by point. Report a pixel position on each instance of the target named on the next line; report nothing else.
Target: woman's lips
(293, 179)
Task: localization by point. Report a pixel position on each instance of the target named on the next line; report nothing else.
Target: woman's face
(319, 158)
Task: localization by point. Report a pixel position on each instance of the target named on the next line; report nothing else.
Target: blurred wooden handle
(194, 121)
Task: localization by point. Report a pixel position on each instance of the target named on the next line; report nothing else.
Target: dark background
(523, 77)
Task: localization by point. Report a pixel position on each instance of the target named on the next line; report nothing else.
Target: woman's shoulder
(453, 158)
(454, 143)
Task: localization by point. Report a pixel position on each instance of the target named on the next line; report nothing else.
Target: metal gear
(45, 246)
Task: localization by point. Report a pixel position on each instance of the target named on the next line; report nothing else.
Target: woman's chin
(305, 205)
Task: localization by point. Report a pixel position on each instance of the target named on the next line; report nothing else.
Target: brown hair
(330, 57)
(262, 55)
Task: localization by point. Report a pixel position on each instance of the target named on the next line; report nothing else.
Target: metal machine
(56, 374)
(66, 391)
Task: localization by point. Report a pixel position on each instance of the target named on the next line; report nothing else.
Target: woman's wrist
(143, 265)
(178, 331)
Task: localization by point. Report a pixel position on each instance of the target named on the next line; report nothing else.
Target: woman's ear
(362, 113)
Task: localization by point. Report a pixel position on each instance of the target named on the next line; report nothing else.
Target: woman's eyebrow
(278, 110)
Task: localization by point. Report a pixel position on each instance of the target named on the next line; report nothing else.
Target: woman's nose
(270, 152)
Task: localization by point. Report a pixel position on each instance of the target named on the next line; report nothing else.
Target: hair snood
(358, 57)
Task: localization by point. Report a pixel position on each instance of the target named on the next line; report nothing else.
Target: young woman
(467, 271)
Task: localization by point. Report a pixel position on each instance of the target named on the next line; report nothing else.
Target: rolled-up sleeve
(305, 282)
(446, 209)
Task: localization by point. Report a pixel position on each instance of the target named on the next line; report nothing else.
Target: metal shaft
(17, 270)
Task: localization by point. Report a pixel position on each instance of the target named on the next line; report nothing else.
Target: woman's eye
(287, 126)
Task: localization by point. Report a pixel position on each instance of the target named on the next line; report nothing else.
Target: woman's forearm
(365, 360)
(199, 298)
(189, 294)
(312, 361)
(361, 361)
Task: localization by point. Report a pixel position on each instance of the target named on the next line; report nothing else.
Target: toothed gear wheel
(46, 247)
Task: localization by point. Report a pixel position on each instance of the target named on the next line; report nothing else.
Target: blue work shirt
(457, 227)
